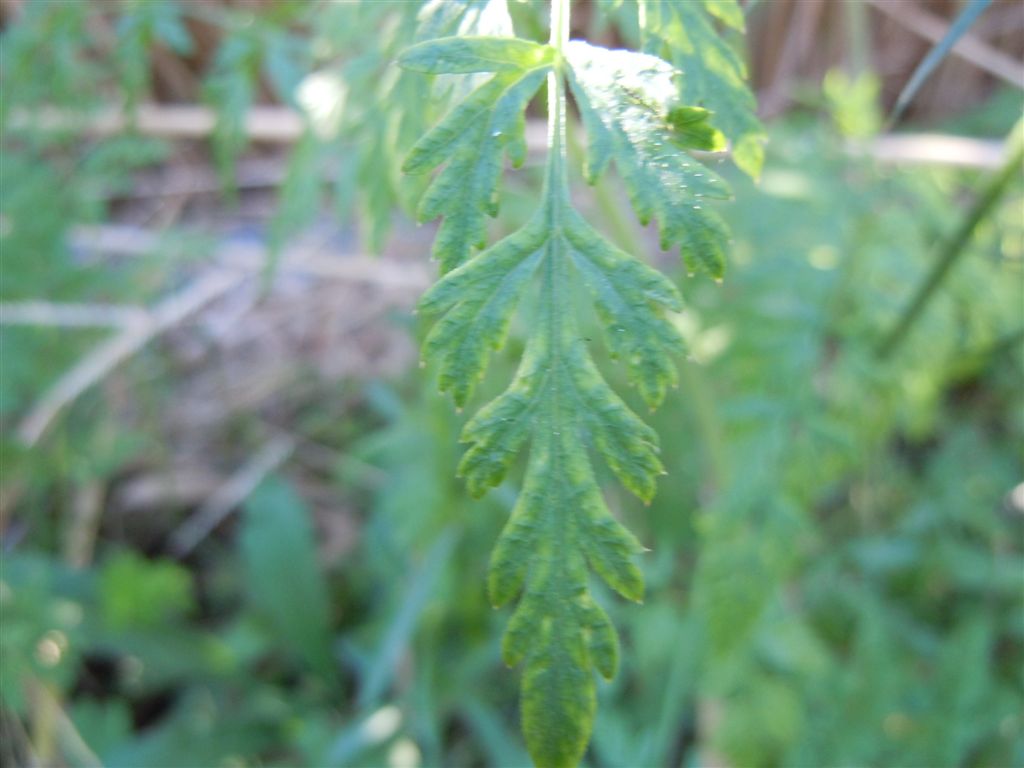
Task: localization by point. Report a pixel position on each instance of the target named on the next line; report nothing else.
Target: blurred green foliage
(837, 553)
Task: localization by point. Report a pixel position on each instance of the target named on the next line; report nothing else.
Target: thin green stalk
(557, 179)
(708, 426)
(556, 196)
(952, 249)
(972, 10)
(556, 189)
(860, 47)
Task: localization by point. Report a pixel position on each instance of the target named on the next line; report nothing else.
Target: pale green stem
(556, 196)
(857, 37)
(556, 181)
(703, 404)
(952, 248)
(557, 176)
(560, 12)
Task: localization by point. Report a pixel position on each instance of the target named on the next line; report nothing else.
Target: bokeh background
(232, 534)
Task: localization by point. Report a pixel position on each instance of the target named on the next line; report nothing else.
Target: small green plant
(645, 114)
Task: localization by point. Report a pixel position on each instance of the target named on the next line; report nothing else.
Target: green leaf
(443, 18)
(559, 402)
(106, 723)
(559, 406)
(286, 59)
(135, 592)
(399, 632)
(559, 525)
(229, 89)
(715, 75)
(463, 55)
(625, 293)
(627, 102)
(137, 27)
(728, 12)
(692, 129)
(286, 585)
(169, 27)
(396, 106)
(300, 194)
(471, 139)
(478, 299)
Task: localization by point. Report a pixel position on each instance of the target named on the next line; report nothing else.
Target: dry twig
(274, 125)
(928, 148)
(232, 493)
(80, 538)
(116, 239)
(283, 125)
(109, 354)
(60, 315)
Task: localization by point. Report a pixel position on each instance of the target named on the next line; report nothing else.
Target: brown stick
(934, 149)
(235, 264)
(274, 125)
(63, 315)
(228, 496)
(110, 353)
(283, 125)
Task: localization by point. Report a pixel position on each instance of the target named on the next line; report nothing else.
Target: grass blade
(399, 633)
(963, 22)
(954, 246)
(287, 587)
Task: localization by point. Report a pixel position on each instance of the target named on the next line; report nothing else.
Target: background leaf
(285, 583)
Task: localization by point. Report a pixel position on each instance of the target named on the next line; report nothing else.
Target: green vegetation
(826, 507)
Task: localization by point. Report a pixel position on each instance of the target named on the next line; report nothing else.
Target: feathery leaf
(714, 73)
(559, 407)
(463, 55)
(629, 108)
(473, 136)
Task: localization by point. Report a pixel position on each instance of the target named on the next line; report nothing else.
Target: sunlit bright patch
(51, 648)
(823, 257)
(382, 724)
(321, 95)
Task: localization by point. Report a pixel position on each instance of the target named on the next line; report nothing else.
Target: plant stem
(560, 13)
(556, 197)
(557, 173)
(857, 39)
(556, 182)
(952, 249)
